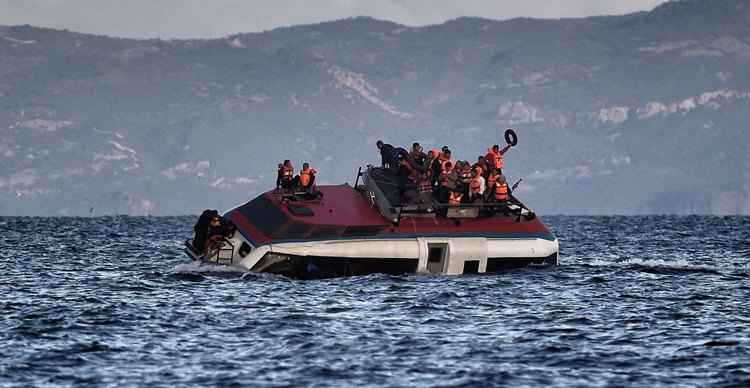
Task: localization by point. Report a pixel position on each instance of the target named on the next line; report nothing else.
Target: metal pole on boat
(359, 174)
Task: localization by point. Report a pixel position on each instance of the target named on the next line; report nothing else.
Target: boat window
(264, 215)
(245, 249)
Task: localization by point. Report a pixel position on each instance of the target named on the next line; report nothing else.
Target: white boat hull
(436, 255)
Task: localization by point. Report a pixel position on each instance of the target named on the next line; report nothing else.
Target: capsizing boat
(343, 230)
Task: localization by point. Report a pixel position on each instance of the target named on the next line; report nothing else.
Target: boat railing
(466, 210)
(222, 252)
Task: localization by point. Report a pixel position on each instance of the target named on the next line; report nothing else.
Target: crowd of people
(436, 176)
(425, 177)
(303, 182)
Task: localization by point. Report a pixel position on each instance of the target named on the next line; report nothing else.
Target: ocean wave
(676, 264)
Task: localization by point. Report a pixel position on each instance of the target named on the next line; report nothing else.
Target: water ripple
(637, 301)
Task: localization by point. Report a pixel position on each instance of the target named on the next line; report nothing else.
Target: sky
(216, 18)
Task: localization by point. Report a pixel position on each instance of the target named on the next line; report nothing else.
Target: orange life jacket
(501, 191)
(475, 185)
(454, 199)
(495, 159)
(305, 176)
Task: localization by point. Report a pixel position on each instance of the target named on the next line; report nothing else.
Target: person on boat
(447, 182)
(476, 186)
(419, 157)
(434, 165)
(215, 235)
(279, 174)
(464, 174)
(306, 178)
(201, 228)
(286, 175)
(428, 161)
(481, 166)
(502, 191)
(490, 184)
(445, 157)
(455, 197)
(494, 157)
(386, 154)
(408, 179)
(424, 189)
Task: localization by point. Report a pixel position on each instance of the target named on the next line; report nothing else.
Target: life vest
(305, 176)
(495, 159)
(475, 185)
(501, 191)
(287, 173)
(454, 199)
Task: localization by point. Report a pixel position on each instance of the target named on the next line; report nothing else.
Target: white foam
(198, 267)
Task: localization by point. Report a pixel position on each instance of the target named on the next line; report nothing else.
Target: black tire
(511, 137)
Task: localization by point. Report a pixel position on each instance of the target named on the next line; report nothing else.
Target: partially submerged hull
(427, 254)
(343, 232)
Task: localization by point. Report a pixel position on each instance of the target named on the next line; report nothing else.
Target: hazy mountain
(642, 113)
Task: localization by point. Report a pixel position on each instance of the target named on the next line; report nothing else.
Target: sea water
(636, 301)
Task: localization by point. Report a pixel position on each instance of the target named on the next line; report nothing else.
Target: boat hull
(417, 254)
(339, 231)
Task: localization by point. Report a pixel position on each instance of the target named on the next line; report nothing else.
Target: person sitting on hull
(386, 154)
(306, 178)
(215, 235)
(279, 174)
(286, 175)
(201, 229)
(494, 157)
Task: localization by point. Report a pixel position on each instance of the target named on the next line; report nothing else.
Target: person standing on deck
(386, 154)
(418, 156)
(495, 155)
